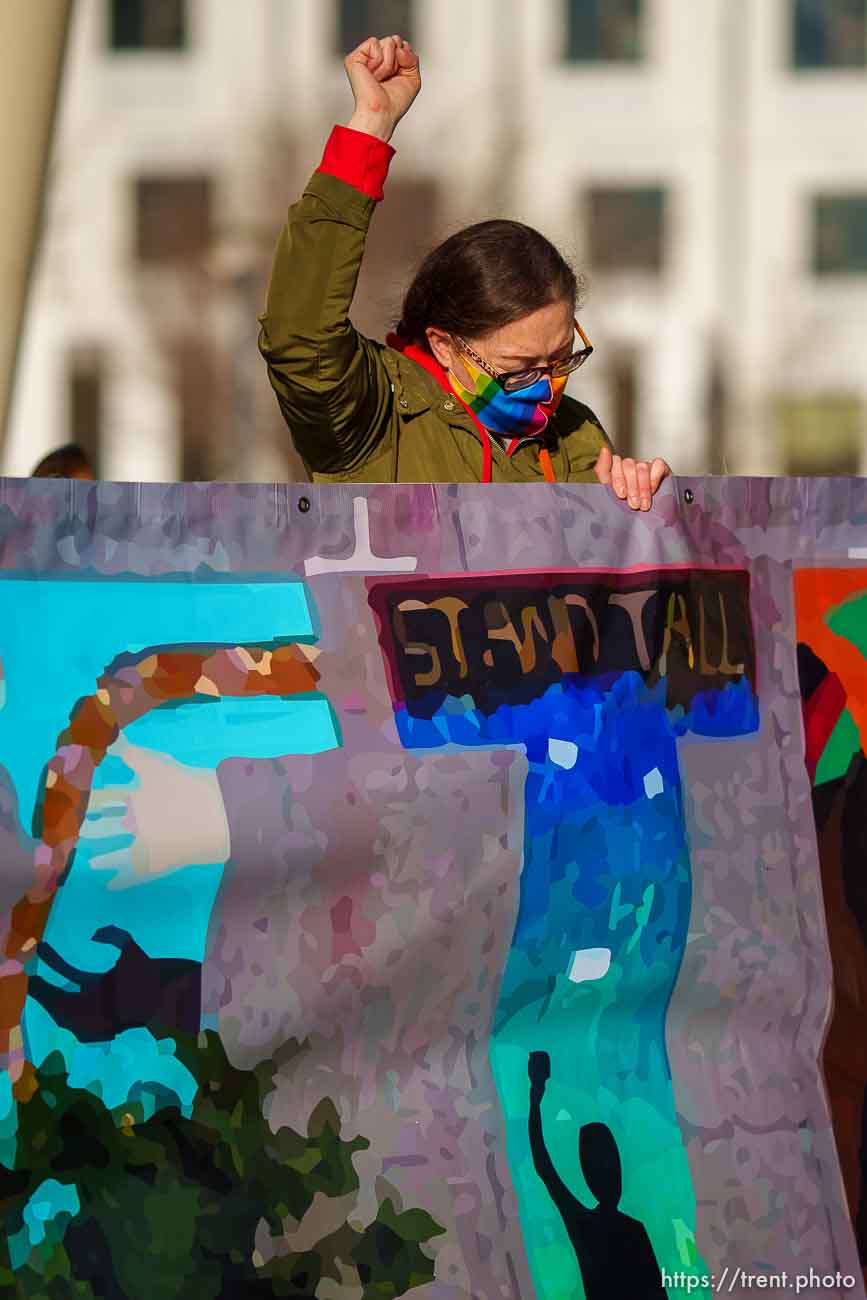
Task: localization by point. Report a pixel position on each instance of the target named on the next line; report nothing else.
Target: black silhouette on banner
(613, 1250)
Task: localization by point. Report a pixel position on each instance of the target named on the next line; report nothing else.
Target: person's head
(65, 462)
(499, 287)
(600, 1164)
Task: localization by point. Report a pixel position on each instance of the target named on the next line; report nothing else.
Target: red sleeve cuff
(358, 159)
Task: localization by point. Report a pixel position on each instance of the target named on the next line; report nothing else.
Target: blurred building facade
(704, 164)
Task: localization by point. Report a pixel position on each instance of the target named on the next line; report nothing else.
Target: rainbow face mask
(520, 414)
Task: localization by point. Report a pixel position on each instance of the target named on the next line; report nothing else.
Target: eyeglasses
(510, 381)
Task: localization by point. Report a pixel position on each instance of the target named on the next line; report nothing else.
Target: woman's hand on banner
(385, 79)
(633, 481)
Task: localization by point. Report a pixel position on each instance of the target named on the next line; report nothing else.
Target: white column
(32, 43)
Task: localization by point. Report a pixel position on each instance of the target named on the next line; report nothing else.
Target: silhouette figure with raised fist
(613, 1250)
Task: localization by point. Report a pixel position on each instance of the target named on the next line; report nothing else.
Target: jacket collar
(452, 402)
(422, 383)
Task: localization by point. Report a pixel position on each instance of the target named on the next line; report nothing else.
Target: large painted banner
(433, 891)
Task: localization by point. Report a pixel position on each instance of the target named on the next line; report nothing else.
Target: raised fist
(385, 79)
(539, 1069)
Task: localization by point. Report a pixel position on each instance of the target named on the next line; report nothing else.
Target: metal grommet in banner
(689, 496)
(304, 504)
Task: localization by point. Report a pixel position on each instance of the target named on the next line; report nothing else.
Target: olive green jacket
(358, 410)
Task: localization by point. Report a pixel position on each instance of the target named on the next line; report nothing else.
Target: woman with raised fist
(470, 388)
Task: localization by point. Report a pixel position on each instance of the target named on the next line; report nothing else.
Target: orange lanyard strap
(547, 466)
(544, 459)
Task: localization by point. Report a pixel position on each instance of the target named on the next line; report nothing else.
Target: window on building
(624, 401)
(173, 218)
(147, 24)
(407, 226)
(717, 415)
(823, 434)
(604, 31)
(358, 19)
(626, 229)
(85, 384)
(840, 234)
(196, 380)
(829, 33)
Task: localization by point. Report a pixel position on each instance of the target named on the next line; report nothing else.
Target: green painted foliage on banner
(156, 1195)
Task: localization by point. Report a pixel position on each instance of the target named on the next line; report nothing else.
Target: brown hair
(484, 277)
(63, 462)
